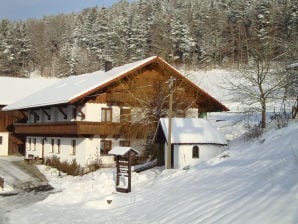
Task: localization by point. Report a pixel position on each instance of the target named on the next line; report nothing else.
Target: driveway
(20, 174)
(28, 185)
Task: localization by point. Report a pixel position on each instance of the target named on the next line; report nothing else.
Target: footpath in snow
(252, 182)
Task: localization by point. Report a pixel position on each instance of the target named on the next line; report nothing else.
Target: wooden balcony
(75, 128)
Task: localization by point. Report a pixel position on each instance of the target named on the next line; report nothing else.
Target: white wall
(93, 112)
(4, 145)
(183, 154)
(87, 149)
(66, 152)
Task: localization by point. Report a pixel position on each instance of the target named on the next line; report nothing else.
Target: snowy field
(253, 182)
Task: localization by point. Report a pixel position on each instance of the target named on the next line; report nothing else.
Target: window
(42, 143)
(195, 152)
(52, 144)
(124, 143)
(34, 144)
(1, 140)
(74, 146)
(58, 145)
(125, 115)
(106, 114)
(29, 143)
(105, 146)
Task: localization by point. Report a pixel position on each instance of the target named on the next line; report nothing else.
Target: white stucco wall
(66, 152)
(93, 112)
(4, 145)
(87, 149)
(183, 154)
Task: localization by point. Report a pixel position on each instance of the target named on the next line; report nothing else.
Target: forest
(193, 33)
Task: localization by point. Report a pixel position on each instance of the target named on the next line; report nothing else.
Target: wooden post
(118, 170)
(129, 171)
(169, 162)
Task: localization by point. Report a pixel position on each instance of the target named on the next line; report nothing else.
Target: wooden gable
(148, 85)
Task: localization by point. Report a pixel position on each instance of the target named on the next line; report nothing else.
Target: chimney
(108, 65)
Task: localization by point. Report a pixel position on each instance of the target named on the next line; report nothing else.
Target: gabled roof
(192, 131)
(75, 88)
(121, 151)
(13, 89)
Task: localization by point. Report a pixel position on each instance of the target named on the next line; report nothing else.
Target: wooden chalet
(10, 143)
(82, 117)
(12, 89)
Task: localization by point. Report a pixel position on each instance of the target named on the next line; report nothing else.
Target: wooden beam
(82, 114)
(46, 113)
(36, 116)
(62, 112)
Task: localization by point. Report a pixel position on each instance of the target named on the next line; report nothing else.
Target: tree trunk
(263, 119)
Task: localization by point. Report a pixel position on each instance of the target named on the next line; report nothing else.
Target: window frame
(1, 140)
(74, 146)
(124, 143)
(104, 113)
(53, 145)
(58, 146)
(29, 143)
(34, 144)
(104, 150)
(125, 115)
(195, 152)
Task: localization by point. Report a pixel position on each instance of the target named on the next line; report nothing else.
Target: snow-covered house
(193, 140)
(83, 117)
(11, 90)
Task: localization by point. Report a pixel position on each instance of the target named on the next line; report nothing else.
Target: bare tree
(260, 82)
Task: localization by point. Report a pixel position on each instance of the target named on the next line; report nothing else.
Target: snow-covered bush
(70, 168)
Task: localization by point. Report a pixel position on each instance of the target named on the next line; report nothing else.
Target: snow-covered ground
(252, 182)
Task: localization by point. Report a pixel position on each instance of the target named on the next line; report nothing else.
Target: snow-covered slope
(253, 182)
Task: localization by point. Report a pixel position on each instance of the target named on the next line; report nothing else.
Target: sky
(24, 9)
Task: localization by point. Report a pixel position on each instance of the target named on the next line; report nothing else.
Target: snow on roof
(192, 130)
(74, 86)
(13, 89)
(121, 151)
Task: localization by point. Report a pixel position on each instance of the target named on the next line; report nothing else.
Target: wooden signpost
(124, 157)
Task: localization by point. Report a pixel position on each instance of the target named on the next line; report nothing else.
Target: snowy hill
(253, 182)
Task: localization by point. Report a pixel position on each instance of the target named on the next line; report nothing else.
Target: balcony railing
(75, 128)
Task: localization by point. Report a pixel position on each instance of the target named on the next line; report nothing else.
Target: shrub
(70, 168)
(253, 133)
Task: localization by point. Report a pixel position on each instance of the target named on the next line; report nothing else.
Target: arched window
(195, 152)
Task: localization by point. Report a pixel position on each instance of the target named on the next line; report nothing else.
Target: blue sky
(24, 9)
